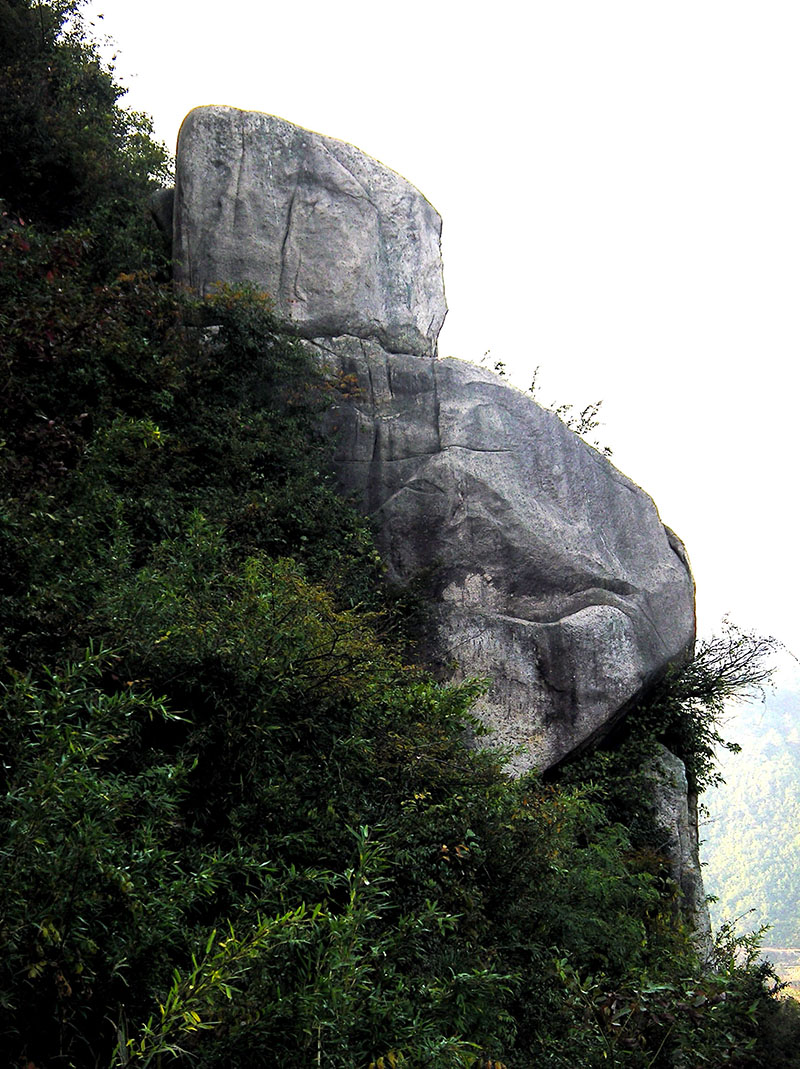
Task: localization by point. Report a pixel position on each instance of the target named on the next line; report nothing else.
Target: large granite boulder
(549, 572)
(342, 244)
(545, 569)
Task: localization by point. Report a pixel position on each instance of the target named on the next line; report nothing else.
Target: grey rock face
(162, 206)
(550, 572)
(342, 244)
(675, 814)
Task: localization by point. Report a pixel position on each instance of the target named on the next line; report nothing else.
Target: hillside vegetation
(237, 827)
(752, 833)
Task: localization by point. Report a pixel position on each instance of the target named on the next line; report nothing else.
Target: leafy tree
(70, 155)
(692, 702)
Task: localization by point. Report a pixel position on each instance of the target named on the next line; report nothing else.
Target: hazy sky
(620, 187)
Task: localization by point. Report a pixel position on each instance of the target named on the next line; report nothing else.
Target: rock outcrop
(675, 817)
(549, 571)
(342, 244)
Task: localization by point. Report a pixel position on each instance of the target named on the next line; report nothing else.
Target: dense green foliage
(237, 829)
(70, 155)
(752, 831)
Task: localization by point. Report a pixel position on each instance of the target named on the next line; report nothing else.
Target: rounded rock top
(342, 244)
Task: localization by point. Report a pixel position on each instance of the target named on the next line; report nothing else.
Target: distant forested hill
(752, 833)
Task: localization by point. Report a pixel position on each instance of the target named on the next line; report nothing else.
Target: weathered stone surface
(550, 572)
(675, 816)
(162, 205)
(341, 243)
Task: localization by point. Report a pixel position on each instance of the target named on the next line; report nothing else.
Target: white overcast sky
(620, 187)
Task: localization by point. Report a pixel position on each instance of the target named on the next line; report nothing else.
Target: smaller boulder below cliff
(675, 818)
(342, 244)
(549, 571)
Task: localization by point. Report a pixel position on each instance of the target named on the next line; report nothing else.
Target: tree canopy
(71, 155)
